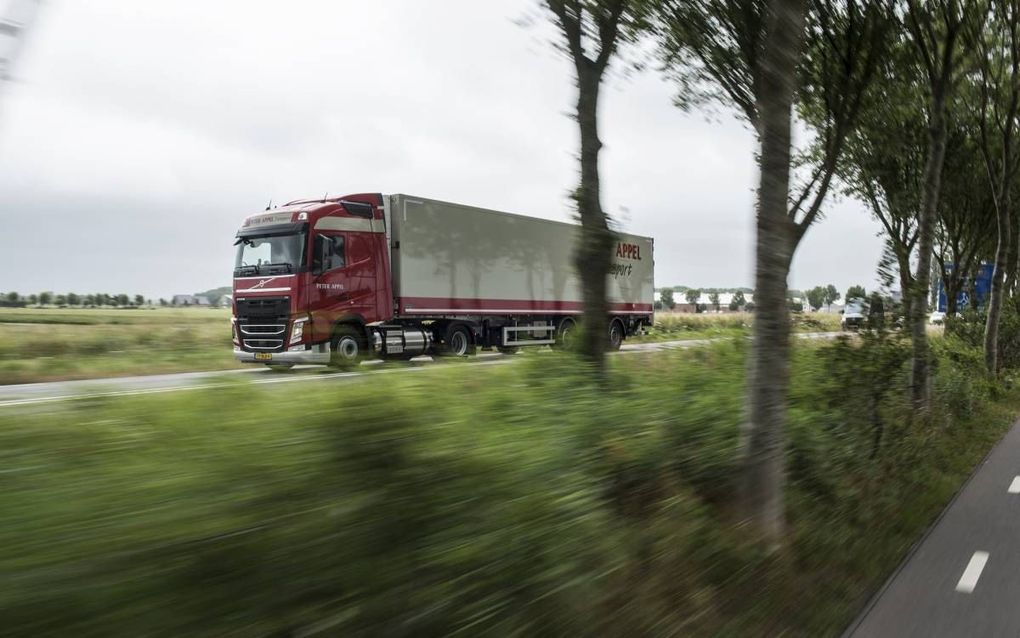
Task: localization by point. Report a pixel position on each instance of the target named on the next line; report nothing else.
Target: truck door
(343, 280)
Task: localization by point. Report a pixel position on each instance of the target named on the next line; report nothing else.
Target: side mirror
(320, 255)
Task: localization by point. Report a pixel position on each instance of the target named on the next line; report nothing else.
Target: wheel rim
(614, 334)
(567, 333)
(347, 348)
(459, 343)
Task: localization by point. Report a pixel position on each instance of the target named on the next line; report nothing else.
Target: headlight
(298, 330)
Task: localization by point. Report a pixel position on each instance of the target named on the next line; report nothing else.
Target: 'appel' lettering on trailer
(628, 251)
(329, 286)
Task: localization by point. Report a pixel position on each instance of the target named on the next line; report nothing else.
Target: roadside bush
(495, 500)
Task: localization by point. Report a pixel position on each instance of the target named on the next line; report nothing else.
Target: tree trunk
(906, 280)
(952, 287)
(593, 255)
(1002, 264)
(763, 434)
(1013, 254)
(925, 241)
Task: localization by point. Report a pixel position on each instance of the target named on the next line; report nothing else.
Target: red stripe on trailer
(440, 305)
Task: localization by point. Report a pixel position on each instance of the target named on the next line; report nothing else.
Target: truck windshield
(269, 254)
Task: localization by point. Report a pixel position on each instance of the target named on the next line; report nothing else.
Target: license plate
(263, 356)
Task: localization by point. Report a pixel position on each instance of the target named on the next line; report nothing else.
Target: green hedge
(462, 500)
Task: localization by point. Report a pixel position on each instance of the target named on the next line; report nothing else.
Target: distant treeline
(76, 300)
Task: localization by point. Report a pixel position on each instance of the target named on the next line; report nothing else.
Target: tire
(509, 349)
(565, 334)
(616, 334)
(347, 348)
(458, 342)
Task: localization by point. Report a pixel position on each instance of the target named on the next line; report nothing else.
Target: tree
(713, 297)
(123, 300)
(12, 298)
(816, 297)
(739, 299)
(33, 299)
(998, 109)
(884, 159)
(830, 295)
(73, 299)
(966, 229)
(934, 29)
(139, 300)
(45, 298)
(592, 31)
(692, 295)
(747, 55)
(666, 295)
(162, 302)
(61, 300)
(856, 292)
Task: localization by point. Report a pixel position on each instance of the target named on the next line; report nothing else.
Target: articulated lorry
(334, 281)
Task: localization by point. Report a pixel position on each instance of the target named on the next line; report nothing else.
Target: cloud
(142, 133)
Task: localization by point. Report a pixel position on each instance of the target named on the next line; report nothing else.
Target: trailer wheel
(347, 347)
(565, 333)
(616, 333)
(458, 342)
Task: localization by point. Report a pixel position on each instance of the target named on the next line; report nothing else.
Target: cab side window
(329, 253)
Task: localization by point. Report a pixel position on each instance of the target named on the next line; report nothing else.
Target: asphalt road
(41, 393)
(963, 578)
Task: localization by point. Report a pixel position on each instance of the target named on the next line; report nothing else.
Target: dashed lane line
(969, 579)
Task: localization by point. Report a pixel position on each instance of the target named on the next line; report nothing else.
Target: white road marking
(1014, 487)
(970, 575)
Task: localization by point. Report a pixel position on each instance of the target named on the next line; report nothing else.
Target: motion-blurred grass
(56, 344)
(478, 500)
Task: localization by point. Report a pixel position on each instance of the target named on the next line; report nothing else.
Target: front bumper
(317, 355)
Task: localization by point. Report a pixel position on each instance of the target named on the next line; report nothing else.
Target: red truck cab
(303, 268)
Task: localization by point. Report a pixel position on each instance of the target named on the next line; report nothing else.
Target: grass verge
(503, 500)
(64, 344)
(59, 344)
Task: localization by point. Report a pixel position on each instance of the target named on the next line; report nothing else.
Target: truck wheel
(565, 334)
(458, 342)
(615, 334)
(347, 347)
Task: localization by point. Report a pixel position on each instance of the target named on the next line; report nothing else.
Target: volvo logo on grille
(262, 283)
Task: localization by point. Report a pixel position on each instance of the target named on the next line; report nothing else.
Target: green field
(59, 344)
(463, 500)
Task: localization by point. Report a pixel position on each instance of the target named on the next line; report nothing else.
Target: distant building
(705, 302)
(190, 300)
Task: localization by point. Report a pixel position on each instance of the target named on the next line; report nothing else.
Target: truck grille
(262, 323)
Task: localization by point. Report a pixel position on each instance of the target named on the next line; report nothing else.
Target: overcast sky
(138, 135)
